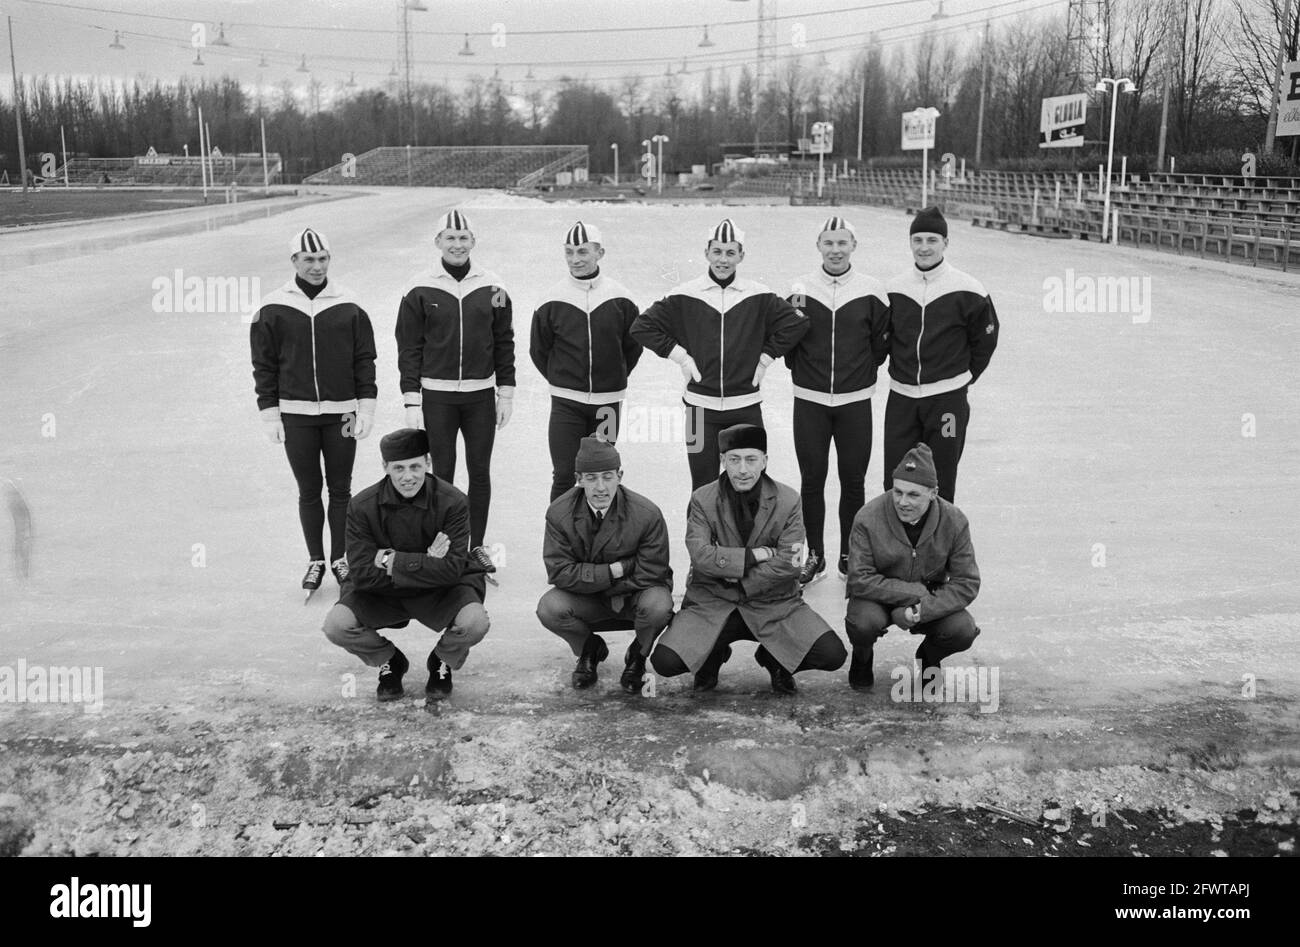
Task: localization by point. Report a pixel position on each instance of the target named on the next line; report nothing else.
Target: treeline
(1212, 58)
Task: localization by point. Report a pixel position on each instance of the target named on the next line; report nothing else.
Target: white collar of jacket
(585, 285)
(843, 279)
(439, 272)
(331, 290)
(942, 269)
(708, 291)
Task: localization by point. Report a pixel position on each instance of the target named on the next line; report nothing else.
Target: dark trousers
(702, 427)
(476, 421)
(866, 621)
(571, 421)
(940, 421)
(826, 654)
(306, 445)
(815, 426)
(575, 617)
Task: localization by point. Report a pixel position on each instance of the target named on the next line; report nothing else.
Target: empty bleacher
(169, 171)
(468, 166)
(1252, 220)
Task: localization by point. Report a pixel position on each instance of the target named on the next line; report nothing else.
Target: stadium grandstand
(473, 166)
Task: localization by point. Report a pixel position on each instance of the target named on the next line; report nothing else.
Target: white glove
(362, 424)
(761, 370)
(687, 364)
(414, 416)
(274, 431)
(505, 407)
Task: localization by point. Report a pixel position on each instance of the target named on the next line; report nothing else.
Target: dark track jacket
(726, 331)
(944, 331)
(582, 341)
(313, 356)
(835, 362)
(455, 336)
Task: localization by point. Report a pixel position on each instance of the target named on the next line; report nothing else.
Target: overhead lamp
(706, 42)
(221, 36)
(465, 50)
(117, 41)
(302, 66)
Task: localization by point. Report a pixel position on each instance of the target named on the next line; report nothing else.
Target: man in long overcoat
(745, 536)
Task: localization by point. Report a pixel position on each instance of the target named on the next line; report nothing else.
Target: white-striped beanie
(308, 241)
(839, 223)
(453, 220)
(581, 233)
(727, 232)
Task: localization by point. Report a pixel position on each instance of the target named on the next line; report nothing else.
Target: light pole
(407, 7)
(659, 140)
(1117, 86)
(615, 147)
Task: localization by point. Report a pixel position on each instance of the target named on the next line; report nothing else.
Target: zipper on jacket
(460, 358)
(834, 295)
(591, 385)
(311, 324)
(722, 349)
(925, 295)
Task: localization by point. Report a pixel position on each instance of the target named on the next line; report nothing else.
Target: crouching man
(911, 564)
(408, 549)
(746, 539)
(606, 554)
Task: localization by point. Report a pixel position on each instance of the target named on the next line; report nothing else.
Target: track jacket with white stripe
(835, 363)
(312, 356)
(455, 336)
(727, 331)
(944, 330)
(581, 339)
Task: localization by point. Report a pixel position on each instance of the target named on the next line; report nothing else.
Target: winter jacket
(455, 335)
(944, 331)
(633, 532)
(939, 573)
(767, 595)
(581, 339)
(313, 356)
(848, 337)
(378, 518)
(726, 331)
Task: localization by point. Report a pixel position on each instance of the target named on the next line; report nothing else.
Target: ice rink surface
(1130, 478)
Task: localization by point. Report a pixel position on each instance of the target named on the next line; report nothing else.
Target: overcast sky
(342, 39)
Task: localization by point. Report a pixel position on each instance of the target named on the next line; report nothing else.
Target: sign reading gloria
(1063, 121)
(1288, 106)
(918, 129)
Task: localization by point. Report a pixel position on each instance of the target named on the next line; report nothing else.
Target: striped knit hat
(727, 232)
(308, 241)
(581, 233)
(839, 223)
(453, 220)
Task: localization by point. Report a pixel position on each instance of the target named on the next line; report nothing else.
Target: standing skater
(944, 332)
(314, 373)
(583, 346)
(456, 355)
(723, 331)
(834, 371)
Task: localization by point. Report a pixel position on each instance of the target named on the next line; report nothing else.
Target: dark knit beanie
(594, 455)
(929, 220)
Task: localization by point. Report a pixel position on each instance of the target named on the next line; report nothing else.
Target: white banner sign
(1288, 112)
(823, 138)
(1063, 121)
(918, 131)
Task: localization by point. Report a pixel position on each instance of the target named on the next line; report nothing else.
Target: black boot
(861, 675)
(706, 678)
(633, 668)
(782, 680)
(594, 650)
(926, 658)
(439, 685)
(390, 676)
